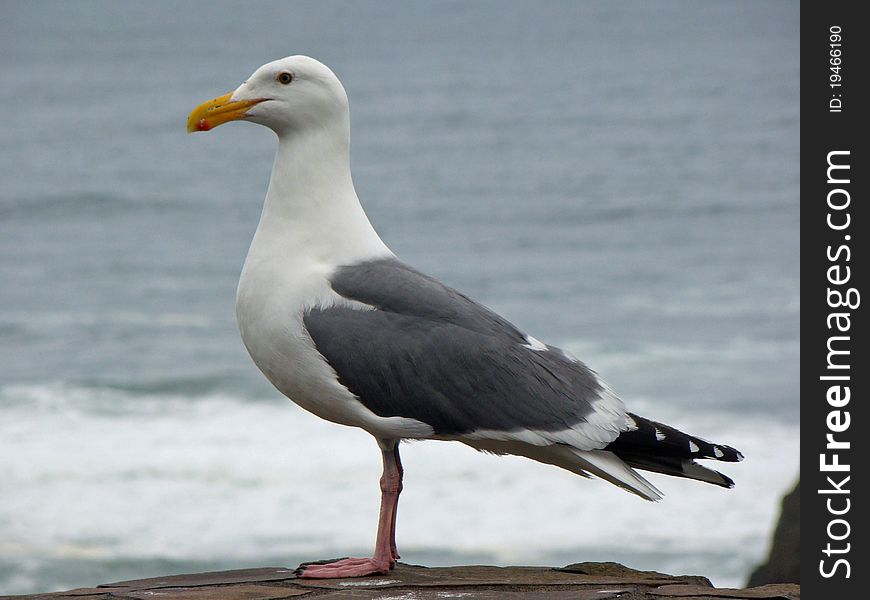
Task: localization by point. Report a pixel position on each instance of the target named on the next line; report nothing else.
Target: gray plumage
(425, 351)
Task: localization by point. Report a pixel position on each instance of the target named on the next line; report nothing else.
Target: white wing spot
(659, 435)
(693, 447)
(535, 344)
(718, 452)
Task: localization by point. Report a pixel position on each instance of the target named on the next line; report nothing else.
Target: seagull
(346, 330)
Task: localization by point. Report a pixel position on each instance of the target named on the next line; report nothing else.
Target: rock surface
(784, 562)
(581, 581)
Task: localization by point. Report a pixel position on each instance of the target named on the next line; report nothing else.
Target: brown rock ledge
(580, 581)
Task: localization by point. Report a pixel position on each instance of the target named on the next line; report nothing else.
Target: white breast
(270, 304)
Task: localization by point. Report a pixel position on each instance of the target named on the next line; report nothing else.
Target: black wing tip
(699, 472)
(727, 482)
(729, 454)
(659, 439)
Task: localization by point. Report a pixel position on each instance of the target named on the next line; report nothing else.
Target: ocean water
(620, 179)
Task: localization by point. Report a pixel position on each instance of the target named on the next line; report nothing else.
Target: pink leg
(393, 549)
(385, 545)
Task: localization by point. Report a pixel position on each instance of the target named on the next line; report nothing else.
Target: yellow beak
(209, 115)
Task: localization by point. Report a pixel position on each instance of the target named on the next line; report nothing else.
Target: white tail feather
(600, 463)
(610, 467)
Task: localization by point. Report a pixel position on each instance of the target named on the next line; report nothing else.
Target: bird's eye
(284, 78)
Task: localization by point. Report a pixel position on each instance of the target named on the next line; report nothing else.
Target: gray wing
(427, 352)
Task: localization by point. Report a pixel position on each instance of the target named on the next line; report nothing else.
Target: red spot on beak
(203, 125)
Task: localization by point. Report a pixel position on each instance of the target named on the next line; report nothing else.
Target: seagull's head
(287, 95)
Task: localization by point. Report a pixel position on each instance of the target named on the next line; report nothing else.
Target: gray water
(617, 178)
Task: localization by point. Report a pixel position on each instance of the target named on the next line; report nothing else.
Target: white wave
(219, 476)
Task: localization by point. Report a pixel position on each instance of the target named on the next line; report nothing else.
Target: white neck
(311, 209)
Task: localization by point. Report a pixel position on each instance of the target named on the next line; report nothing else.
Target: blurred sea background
(617, 178)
